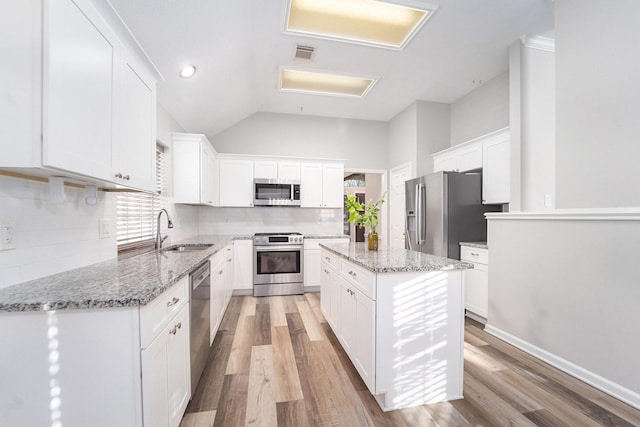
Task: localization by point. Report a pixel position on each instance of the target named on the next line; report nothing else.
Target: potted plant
(365, 215)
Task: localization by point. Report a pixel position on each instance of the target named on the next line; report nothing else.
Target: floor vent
(304, 52)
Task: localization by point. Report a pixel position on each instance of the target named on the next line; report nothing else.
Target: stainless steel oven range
(278, 264)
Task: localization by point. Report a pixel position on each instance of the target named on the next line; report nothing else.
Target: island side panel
(420, 333)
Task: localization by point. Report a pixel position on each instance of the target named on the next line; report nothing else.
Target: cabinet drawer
(330, 259)
(478, 255)
(155, 315)
(363, 279)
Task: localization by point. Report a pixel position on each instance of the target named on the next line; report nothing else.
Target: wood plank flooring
(276, 362)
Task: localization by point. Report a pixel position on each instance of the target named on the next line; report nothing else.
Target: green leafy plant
(364, 214)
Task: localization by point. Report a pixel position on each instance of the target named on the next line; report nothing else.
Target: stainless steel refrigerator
(444, 209)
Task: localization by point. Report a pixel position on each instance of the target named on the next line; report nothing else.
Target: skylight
(324, 84)
(369, 22)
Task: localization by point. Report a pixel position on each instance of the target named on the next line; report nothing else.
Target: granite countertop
(386, 260)
(480, 245)
(126, 282)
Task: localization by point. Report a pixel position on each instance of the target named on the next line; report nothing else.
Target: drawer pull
(179, 325)
(327, 259)
(220, 272)
(172, 331)
(475, 254)
(174, 301)
(351, 273)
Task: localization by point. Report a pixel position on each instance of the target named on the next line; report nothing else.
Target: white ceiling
(238, 47)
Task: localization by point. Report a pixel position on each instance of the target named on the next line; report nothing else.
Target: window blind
(136, 212)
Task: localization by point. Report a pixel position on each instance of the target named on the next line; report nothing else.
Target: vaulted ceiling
(238, 47)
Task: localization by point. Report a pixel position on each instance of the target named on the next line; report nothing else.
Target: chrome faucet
(159, 238)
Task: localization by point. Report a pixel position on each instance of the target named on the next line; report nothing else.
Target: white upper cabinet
(289, 170)
(135, 145)
(236, 182)
(78, 90)
(333, 185)
(459, 159)
(83, 103)
(273, 169)
(496, 185)
(265, 169)
(194, 170)
(489, 152)
(322, 185)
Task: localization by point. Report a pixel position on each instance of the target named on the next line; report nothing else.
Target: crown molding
(538, 42)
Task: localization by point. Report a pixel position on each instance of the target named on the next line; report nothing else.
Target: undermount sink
(186, 248)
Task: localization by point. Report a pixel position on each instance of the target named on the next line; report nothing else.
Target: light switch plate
(104, 228)
(7, 234)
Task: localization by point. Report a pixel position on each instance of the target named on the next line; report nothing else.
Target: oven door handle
(277, 248)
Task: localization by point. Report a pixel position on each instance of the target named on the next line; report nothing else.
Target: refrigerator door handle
(419, 215)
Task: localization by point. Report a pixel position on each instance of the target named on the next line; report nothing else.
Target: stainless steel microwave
(276, 192)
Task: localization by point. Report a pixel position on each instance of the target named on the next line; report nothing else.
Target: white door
(398, 176)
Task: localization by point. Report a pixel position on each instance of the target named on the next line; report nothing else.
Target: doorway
(366, 185)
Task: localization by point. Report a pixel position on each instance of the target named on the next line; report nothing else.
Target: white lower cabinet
(312, 258)
(390, 325)
(166, 374)
(221, 270)
(357, 335)
(243, 264)
(476, 280)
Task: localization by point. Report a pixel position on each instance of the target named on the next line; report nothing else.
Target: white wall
(570, 288)
(532, 80)
(481, 111)
(50, 237)
(433, 133)
(185, 217)
(415, 133)
(598, 125)
(361, 143)
(402, 137)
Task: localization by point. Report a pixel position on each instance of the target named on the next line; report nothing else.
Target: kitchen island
(399, 316)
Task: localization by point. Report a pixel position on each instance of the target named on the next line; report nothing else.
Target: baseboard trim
(624, 394)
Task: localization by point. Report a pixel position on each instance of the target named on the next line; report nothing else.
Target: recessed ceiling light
(371, 22)
(324, 84)
(188, 71)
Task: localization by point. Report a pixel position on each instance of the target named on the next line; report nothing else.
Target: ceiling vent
(304, 52)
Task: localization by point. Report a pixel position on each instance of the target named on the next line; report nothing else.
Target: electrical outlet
(547, 200)
(104, 228)
(7, 234)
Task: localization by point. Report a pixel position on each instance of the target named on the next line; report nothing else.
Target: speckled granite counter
(386, 260)
(479, 245)
(115, 283)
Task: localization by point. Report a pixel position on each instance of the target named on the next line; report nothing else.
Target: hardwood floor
(276, 362)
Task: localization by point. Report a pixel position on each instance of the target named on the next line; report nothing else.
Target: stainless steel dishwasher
(200, 306)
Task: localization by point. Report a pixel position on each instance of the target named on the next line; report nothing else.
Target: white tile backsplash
(51, 238)
(267, 219)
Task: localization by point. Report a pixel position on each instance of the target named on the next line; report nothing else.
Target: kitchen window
(136, 212)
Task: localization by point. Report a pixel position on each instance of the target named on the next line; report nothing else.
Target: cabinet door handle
(179, 325)
(327, 259)
(174, 301)
(172, 331)
(126, 177)
(118, 175)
